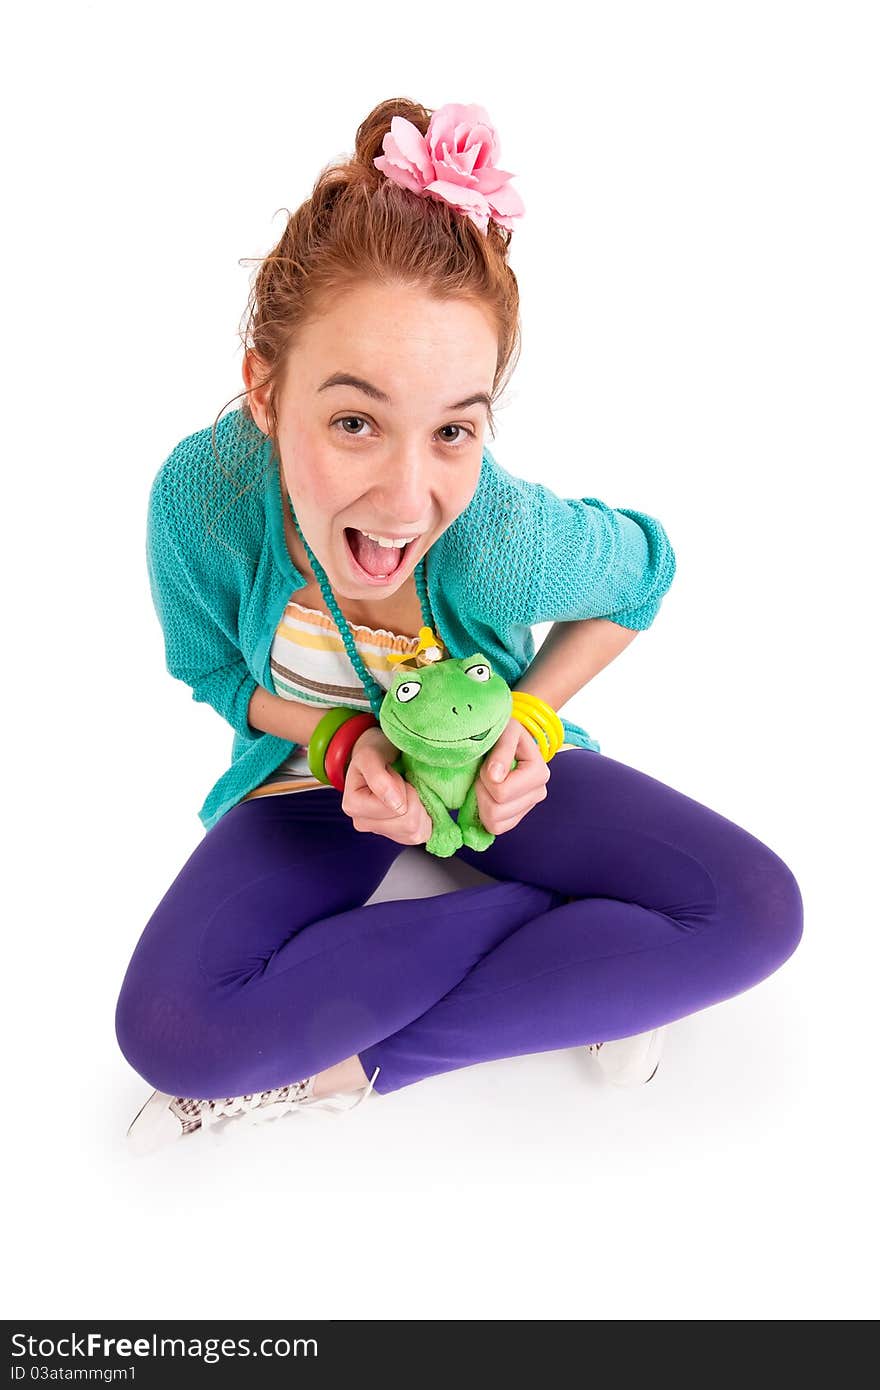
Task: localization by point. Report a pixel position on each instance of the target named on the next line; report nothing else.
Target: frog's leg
(473, 833)
(446, 837)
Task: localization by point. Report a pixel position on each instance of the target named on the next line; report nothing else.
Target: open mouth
(374, 562)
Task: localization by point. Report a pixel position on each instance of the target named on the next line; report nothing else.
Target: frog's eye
(408, 691)
(479, 673)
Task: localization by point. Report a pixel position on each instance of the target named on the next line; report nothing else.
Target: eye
(456, 443)
(408, 691)
(464, 434)
(479, 673)
(346, 419)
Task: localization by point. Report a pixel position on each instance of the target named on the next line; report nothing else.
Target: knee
(185, 1041)
(138, 1032)
(158, 1032)
(770, 909)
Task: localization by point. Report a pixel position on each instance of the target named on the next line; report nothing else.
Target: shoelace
(267, 1105)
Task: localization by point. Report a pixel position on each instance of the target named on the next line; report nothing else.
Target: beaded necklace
(375, 693)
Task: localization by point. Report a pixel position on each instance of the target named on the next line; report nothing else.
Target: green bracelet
(320, 739)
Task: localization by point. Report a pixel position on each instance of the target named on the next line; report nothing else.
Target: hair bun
(372, 131)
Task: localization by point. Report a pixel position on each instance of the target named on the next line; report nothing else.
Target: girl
(348, 516)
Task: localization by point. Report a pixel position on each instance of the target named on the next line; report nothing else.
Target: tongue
(378, 560)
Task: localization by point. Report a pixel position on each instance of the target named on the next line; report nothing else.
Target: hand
(372, 789)
(503, 804)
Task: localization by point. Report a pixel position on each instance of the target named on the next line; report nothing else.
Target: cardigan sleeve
(596, 561)
(197, 649)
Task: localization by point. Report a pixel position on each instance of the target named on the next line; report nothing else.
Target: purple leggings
(261, 966)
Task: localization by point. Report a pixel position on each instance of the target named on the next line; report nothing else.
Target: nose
(405, 492)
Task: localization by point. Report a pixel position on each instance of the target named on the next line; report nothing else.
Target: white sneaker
(630, 1061)
(163, 1118)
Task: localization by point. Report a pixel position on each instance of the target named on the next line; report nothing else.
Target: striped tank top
(309, 663)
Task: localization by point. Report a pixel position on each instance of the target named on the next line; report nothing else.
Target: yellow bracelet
(541, 720)
(532, 724)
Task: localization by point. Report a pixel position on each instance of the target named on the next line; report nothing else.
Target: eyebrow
(346, 379)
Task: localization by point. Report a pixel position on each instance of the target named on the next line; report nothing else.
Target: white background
(698, 270)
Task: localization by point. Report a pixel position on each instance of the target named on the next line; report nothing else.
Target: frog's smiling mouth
(464, 739)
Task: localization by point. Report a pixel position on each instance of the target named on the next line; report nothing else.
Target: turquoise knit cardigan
(221, 576)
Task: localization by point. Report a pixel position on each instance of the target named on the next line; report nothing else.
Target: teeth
(387, 542)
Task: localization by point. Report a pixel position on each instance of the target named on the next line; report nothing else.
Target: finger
(506, 817)
(527, 750)
(497, 766)
(388, 787)
(520, 784)
(516, 745)
(496, 807)
(413, 828)
(532, 767)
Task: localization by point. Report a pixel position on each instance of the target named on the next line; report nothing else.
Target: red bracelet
(339, 749)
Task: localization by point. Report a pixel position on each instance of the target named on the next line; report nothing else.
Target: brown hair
(357, 225)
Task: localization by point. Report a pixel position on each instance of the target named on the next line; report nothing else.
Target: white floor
(735, 1184)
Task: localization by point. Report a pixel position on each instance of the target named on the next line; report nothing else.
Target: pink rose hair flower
(455, 160)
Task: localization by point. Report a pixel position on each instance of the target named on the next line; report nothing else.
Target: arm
(571, 655)
(198, 649)
(603, 575)
(288, 719)
(596, 561)
(522, 556)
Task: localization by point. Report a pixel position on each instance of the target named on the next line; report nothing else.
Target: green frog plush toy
(444, 718)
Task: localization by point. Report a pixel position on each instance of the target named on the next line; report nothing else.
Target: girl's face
(398, 455)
